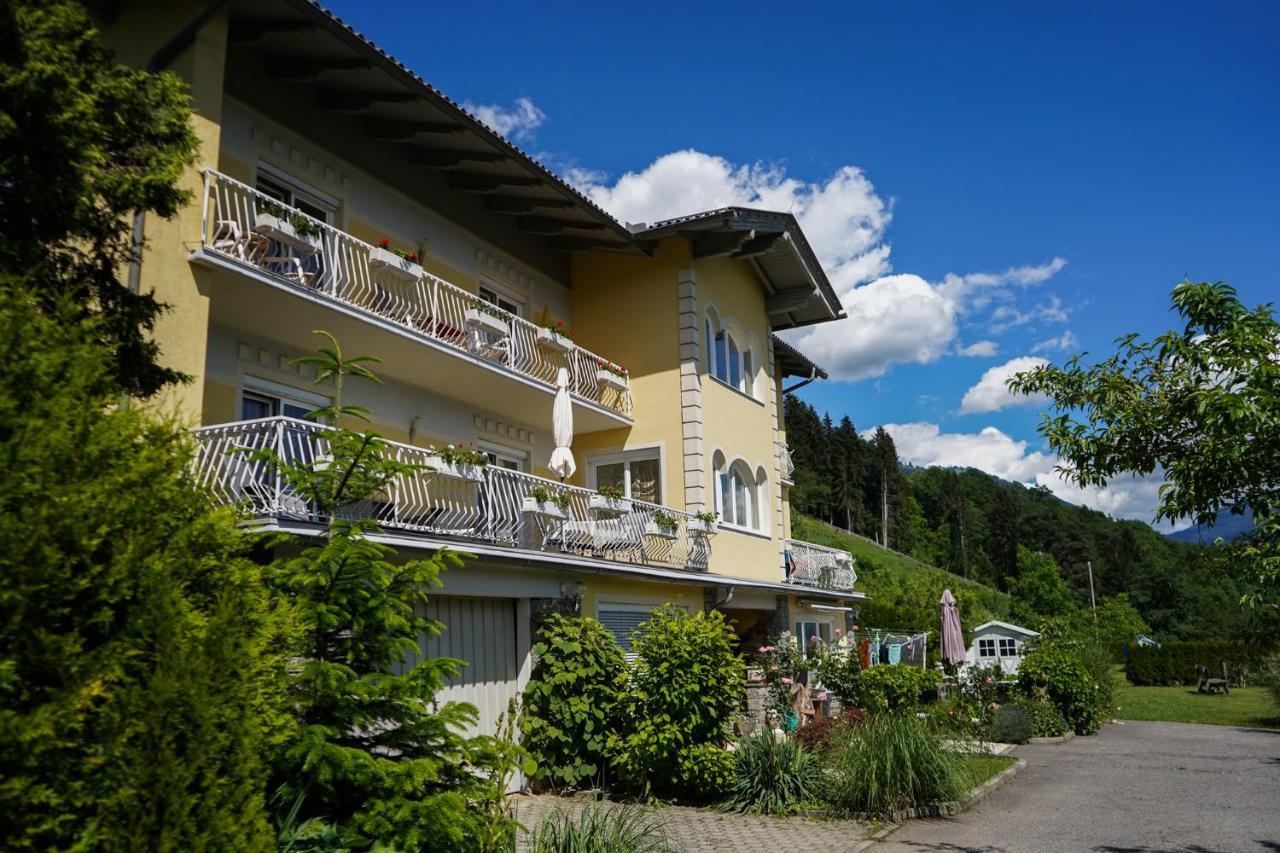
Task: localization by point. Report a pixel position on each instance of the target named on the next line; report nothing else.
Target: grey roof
(797, 291)
(789, 361)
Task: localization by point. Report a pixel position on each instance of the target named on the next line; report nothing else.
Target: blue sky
(1137, 144)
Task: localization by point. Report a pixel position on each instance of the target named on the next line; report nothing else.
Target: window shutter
(621, 623)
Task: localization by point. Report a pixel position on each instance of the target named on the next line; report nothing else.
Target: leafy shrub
(686, 686)
(1099, 663)
(892, 761)
(838, 671)
(1057, 671)
(600, 829)
(1045, 718)
(1269, 676)
(893, 687)
(571, 703)
(1176, 663)
(771, 776)
(1011, 724)
(818, 734)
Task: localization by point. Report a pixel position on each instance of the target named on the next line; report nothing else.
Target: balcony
(819, 566)
(439, 501)
(786, 465)
(473, 351)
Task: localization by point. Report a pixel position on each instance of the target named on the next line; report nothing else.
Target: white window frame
(301, 190)
(625, 458)
(280, 392)
(501, 291)
(755, 521)
(987, 642)
(505, 452)
(1007, 642)
(799, 623)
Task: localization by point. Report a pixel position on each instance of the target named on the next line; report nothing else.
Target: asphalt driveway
(1133, 788)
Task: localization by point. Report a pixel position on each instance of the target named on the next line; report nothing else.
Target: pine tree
(1002, 541)
(888, 483)
(139, 666)
(373, 758)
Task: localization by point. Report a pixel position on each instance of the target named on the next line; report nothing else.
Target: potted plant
(555, 337)
(457, 462)
(703, 524)
(398, 263)
(285, 225)
(663, 525)
(489, 318)
(547, 503)
(609, 501)
(611, 375)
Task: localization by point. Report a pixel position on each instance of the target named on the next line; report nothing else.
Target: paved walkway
(1133, 788)
(710, 831)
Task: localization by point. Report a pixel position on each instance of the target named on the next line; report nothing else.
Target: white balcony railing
(786, 466)
(489, 504)
(819, 566)
(254, 229)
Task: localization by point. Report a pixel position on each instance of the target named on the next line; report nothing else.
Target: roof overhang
(1017, 629)
(797, 292)
(789, 361)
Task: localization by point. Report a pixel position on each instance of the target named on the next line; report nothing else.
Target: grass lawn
(1245, 706)
(979, 768)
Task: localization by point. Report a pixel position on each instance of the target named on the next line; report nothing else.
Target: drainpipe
(157, 62)
(813, 374)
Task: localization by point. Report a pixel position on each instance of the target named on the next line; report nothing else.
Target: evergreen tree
(1002, 540)
(140, 674)
(887, 484)
(85, 143)
(373, 758)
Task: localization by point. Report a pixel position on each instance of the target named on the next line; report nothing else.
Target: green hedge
(1176, 663)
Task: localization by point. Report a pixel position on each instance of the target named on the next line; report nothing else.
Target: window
(501, 297)
(807, 630)
(262, 398)
(506, 457)
(737, 493)
(1008, 648)
(623, 619)
(727, 359)
(638, 473)
(310, 202)
(986, 648)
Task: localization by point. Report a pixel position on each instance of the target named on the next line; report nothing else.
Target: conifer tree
(140, 673)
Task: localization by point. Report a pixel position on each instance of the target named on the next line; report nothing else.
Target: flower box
(610, 507)
(388, 262)
(552, 341)
(699, 527)
(545, 509)
(454, 471)
(281, 230)
(609, 379)
(483, 321)
(652, 529)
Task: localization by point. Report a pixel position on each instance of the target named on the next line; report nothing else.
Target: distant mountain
(1227, 526)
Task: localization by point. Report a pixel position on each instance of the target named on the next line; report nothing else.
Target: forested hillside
(972, 524)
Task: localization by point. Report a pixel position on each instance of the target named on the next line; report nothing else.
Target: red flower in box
(384, 243)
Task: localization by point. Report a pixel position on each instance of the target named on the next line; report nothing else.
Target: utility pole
(1093, 602)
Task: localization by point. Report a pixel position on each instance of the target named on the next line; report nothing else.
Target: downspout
(813, 374)
(157, 62)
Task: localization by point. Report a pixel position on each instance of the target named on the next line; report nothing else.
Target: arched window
(737, 500)
(727, 357)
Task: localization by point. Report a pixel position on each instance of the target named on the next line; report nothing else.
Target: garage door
(482, 632)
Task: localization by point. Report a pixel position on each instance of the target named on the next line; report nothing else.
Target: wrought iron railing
(258, 231)
(786, 466)
(819, 566)
(482, 504)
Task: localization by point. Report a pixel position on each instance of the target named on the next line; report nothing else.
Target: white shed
(998, 644)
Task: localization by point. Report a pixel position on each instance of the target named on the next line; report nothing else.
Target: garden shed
(998, 644)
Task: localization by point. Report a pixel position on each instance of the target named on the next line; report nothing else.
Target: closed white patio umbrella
(562, 428)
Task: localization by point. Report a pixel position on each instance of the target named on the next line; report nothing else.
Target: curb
(1061, 739)
(876, 838)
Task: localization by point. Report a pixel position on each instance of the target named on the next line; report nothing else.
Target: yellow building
(337, 190)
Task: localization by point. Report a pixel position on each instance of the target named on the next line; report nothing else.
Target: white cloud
(991, 394)
(1065, 341)
(843, 217)
(518, 121)
(990, 450)
(979, 349)
(1006, 317)
(892, 319)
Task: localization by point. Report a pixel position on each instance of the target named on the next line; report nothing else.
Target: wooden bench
(1212, 685)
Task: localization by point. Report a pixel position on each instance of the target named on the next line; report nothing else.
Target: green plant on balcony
(543, 495)
(559, 329)
(706, 517)
(460, 454)
(616, 369)
(487, 308)
(610, 491)
(402, 254)
(665, 521)
(303, 225)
